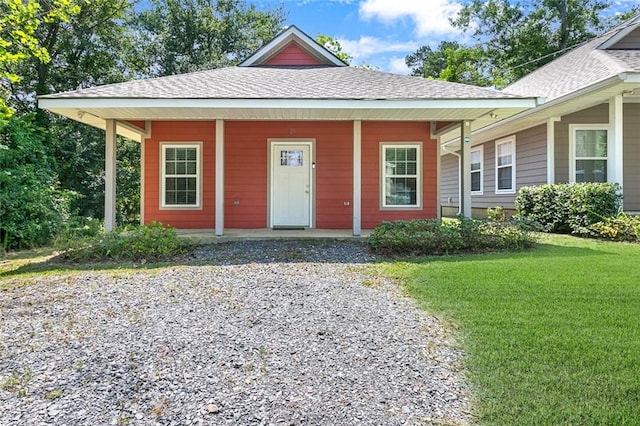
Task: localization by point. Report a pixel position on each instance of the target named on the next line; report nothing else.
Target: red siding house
(292, 137)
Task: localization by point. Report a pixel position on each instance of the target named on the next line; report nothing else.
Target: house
(587, 129)
(291, 137)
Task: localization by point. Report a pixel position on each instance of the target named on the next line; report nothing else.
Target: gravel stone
(245, 333)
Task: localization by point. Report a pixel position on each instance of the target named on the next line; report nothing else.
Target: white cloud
(398, 66)
(428, 16)
(367, 46)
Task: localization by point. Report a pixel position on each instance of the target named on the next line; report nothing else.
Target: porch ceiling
(94, 112)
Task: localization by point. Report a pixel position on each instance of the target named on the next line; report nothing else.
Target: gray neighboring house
(587, 129)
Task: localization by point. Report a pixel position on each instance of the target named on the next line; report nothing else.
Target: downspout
(444, 147)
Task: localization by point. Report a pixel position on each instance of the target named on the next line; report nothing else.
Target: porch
(209, 235)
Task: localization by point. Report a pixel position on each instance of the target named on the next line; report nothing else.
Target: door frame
(311, 143)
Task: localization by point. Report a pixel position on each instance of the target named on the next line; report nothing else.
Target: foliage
(510, 39)
(497, 213)
(623, 227)
(568, 208)
(334, 46)
(32, 206)
(19, 20)
(450, 61)
(423, 237)
(178, 36)
(148, 242)
(550, 336)
(523, 37)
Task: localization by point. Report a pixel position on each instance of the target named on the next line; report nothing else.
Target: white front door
(291, 187)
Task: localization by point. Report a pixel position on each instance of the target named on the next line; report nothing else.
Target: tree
(19, 21)
(521, 36)
(33, 206)
(451, 61)
(334, 46)
(178, 36)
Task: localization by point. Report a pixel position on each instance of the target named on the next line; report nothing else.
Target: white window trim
(198, 147)
(419, 175)
(481, 171)
(573, 128)
(509, 139)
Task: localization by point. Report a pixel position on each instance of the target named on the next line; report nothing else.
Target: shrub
(619, 228)
(148, 242)
(568, 208)
(497, 213)
(433, 237)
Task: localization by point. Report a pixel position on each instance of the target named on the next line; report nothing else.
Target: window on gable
(476, 170)
(180, 175)
(505, 165)
(590, 153)
(401, 175)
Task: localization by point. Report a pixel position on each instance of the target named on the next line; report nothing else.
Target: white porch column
(110, 157)
(615, 163)
(438, 178)
(219, 186)
(465, 168)
(551, 147)
(357, 177)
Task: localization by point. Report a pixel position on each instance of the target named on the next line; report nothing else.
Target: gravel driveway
(262, 333)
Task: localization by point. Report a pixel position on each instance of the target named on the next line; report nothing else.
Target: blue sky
(381, 32)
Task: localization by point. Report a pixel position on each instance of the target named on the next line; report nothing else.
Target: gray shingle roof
(581, 67)
(289, 82)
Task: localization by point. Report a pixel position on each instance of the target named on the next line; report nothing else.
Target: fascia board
(106, 103)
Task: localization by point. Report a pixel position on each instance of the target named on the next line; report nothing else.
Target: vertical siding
(373, 133)
(631, 41)
(631, 174)
(598, 114)
(292, 55)
(180, 131)
(246, 170)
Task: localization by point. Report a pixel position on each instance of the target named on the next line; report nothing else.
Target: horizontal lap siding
(246, 170)
(596, 115)
(449, 191)
(373, 133)
(334, 174)
(292, 55)
(245, 175)
(631, 178)
(179, 131)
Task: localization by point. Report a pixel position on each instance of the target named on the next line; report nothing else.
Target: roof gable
(624, 36)
(631, 41)
(291, 47)
(292, 54)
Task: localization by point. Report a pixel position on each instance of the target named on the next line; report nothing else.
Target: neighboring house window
(180, 175)
(589, 150)
(506, 165)
(476, 170)
(401, 175)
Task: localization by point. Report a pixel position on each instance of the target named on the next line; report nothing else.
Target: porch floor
(209, 236)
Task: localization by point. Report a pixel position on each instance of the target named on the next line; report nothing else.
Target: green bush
(568, 208)
(619, 228)
(433, 237)
(148, 242)
(32, 205)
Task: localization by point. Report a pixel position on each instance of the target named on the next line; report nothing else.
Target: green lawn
(551, 336)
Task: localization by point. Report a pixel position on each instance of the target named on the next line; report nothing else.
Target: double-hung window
(181, 175)
(476, 170)
(401, 175)
(506, 165)
(590, 153)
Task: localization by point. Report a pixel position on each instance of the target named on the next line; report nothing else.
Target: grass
(551, 336)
